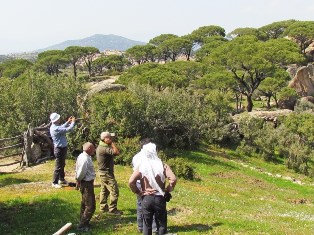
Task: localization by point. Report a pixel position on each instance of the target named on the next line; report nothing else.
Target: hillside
(230, 196)
(102, 42)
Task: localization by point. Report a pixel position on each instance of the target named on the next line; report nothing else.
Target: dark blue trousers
(154, 205)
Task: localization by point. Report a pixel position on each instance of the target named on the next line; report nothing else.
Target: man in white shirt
(85, 175)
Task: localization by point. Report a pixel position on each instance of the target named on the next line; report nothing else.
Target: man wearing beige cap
(105, 152)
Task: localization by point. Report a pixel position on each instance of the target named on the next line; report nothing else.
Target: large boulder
(303, 81)
(104, 86)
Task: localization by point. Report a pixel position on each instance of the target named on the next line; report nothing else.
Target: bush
(30, 98)
(181, 168)
(303, 105)
(173, 118)
(128, 148)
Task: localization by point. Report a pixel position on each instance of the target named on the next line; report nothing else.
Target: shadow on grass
(194, 227)
(47, 216)
(38, 217)
(111, 224)
(205, 156)
(11, 180)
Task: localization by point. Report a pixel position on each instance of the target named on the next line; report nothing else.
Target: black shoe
(83, 228)
(115, 212)
(140, 230)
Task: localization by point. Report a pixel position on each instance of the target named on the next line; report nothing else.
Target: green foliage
(201, 34)
(304, 105)
(128, 148)
(161, 38)
(302, 32)
(287, 93)
(118, 112)
(301, 124)
(251, 61)
(30, 100)
(142, 53)
(249, 127)
(51, 61)
(276, 29)
(172, 117)
(175, 46)
(73, 55)
(176, 74)
(181, 168)
(14, 68)
(291, 140)
(209, 45)
(248, 31)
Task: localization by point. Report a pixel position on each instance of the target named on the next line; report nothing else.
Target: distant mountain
(102, 42)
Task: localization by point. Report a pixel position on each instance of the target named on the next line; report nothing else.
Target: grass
(227, 198)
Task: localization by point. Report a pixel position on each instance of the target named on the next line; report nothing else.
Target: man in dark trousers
(57, 133)
(105, 152)
(85, 175)
(152, 174)
(136, 160)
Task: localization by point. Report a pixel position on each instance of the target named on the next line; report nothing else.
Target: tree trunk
(249, 106)
(276, 101)
(74, 70)
(268, 102)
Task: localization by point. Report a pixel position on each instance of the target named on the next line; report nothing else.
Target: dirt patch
(10, 164)
(224, 175)
(299, 201)
(178, 214)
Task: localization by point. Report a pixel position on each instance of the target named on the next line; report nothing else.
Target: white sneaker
(56, 185)
(63, 182)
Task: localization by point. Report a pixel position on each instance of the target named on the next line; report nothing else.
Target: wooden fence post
(28, 140)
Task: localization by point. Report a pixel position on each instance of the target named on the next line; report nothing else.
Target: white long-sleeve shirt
(84, 168)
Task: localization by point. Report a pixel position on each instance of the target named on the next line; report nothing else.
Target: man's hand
(78, 185)
(71, 119)
(167, 196)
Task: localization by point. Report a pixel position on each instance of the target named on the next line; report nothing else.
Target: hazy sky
(28, 25)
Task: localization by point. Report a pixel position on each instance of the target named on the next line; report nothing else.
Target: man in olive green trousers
(105, 152)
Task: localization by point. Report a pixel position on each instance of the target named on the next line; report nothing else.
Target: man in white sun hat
(58, 132)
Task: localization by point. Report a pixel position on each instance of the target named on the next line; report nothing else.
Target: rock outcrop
(105, 85)
(303, 80)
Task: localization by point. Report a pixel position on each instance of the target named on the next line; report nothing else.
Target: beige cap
(106, 134)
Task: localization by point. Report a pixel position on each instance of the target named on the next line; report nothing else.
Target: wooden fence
(34, 146)
(11, 146)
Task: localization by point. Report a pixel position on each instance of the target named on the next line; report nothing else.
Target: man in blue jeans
(57, 133)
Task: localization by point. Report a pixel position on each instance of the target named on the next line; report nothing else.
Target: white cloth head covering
(150, 166)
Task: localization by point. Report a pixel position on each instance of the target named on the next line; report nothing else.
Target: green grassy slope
(227, 198)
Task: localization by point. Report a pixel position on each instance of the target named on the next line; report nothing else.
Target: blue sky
(28, 25)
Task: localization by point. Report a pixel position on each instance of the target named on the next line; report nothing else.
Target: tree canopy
(251, 61)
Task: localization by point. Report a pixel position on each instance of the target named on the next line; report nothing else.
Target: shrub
(173, 118)
(181, 168)
(30, 98)
(128, 148)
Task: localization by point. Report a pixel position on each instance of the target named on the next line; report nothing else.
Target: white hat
(54, 117)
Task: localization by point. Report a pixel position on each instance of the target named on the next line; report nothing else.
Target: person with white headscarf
(152, 174)
(136, 160)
